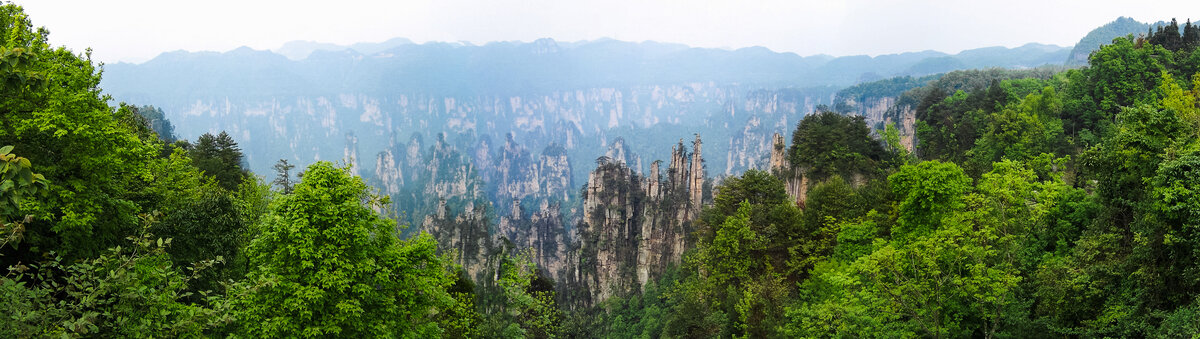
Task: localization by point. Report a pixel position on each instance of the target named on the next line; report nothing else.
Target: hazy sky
(137, 30)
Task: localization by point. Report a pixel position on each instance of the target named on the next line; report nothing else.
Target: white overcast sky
(137, 30)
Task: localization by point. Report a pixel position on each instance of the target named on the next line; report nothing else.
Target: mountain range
(398, 111)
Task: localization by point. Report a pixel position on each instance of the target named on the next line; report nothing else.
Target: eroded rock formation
(635, 227)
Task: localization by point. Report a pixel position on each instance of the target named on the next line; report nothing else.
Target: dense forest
(1034, 204)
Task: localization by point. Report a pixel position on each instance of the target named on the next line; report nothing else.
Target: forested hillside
(1034, 206)
(113, 229)
(983, 203)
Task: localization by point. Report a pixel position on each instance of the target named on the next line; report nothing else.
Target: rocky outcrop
(766, 112)
(462, 232)
(445, 198)
(874, 110)
(512, 172)
(794, 180)
(390, 175)
(635, 227)
(442, 191)
(529, 191)
(350, 154)
(555, 169)
(696, 177)
(907, 127)
(540, 230)
(879, 112)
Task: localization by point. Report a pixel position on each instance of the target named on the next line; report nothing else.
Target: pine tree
(220, 157)
(1173, 40)
(1191, 36)
(283, 175)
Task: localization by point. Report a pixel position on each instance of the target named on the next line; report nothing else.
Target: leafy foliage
(1046, 205)
(51, 111)
(324, 263)
(220, 157)
(527, 307)
(130, 291)
(828, 143)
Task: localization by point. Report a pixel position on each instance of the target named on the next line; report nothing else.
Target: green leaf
(26, 176)
(6, 149)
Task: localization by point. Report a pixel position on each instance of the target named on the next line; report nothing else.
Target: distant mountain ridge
(210, 91)
(540, 66)
(299, 49)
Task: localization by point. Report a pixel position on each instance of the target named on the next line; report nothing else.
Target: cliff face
(750, 147)
(762, 114)
(877, 112)
(794, 180)
(882, 111)
(476, 201)
(512, 172)
(444, 197)
(463, 232)
(540, 230)
(529, 192)
(635, 227)
(907, 126)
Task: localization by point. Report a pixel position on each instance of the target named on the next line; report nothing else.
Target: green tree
(220, 157)
(829, 203)
(1021, 132)
(95, 163)
(947, 127)
(1120, 75)
(154, 120)
(127, 291)
(123, 292)
(527, 308)
(324, 263)
(728, 260)
(732, 272)
(827, 143)
(1130, 154)
(891, 137)
(1168, 234)
(17, 183)
(1181, 102)
(283, 175)
(927, 192)
(461, 320)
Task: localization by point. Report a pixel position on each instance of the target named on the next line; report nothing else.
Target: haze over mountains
(307, 100)
(298, 50)
(191, 86)
(370, 103)
(510, 124)
(515, 67)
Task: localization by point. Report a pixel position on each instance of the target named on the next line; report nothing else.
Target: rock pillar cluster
(634, 227)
